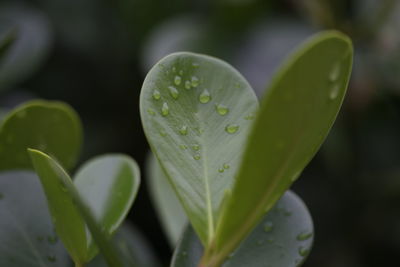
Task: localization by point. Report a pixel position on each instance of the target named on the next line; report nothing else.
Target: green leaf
(283, 238)
(108, 185)
(172, 216)
(196, 111)
(30, 47)
(134, 247)
(295, 116)
(27, 237)
(51, 126)
(67, 219)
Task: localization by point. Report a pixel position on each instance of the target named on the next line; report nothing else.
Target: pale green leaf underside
(108, 184)
(172, 216)
(295, 116)
(65, 201)
(283, 238)
(27, 237)
(51, 126)
(196, 111)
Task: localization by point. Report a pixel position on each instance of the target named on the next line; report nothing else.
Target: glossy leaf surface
(27, 236)
(196, 111)
(53, 127)
(283, 238)
(169, 209)
(296, 115)
(108, 185)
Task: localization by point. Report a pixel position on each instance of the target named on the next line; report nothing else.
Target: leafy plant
(222, 162)
(228, 161)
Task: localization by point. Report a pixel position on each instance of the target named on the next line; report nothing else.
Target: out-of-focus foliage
(101, 50)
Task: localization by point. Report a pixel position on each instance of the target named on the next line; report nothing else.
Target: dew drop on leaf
(156, 95)
(188, 85)
(268, 226)
(51, 258)
(303, 251)
(196, 147)
(232, 128)
(165, 109)
(249, 117)
(304, 236)
(195, 65)
(334, 91)
(196, 157)
(151, 112)
(205, 97)
(194, 81)
(226, 166)
(335, 72)
(183, 130)
(221, 170)
(183, 147)
(173, 92)
(177, 80)
(163, 133)
(222, 109)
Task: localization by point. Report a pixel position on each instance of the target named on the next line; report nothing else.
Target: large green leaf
(169, 209)
(31, 44)
(108, 184)
(135, 250)
(283, 238)
(53, 127)
(27, 236)
(295, 116)
(67, 220)
(196, 111)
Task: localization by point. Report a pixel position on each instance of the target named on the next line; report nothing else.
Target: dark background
(94, 54)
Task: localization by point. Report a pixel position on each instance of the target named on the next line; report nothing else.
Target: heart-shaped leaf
(108, 184)
(295, 117)
(27, 236)
(283, 238)
(53, 127)
(135, 251)
(196, 111)
(31, 43)
(169, 209)
(107, 187)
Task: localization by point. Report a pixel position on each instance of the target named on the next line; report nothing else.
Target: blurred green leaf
(172, 216)
(108, 185)
(196, 111)
(135, 250)
(53, 127)
(26, 231)
(30, 47)
(295, 116)
(283, 238)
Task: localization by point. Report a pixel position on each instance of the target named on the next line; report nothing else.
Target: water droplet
(165, 109)
(51, 258)
(271, 240)
(335, 72)
(183, 147)
(334, 91)
(177, 80)
(163, 133)
(173, 92)
(304, 236)
(303, 251)
(226, 166)
(151, 112)
(52, 239)
(221, 170)
(221, 109)
(183, 130)
(232, 128)
(173, 69)
(205, 97)
(188, 85)
(156, 95)
(1, 196)
(196, 157)
(237, 85)
(181, 72)
(196, 147)
(194, 81)
(268, 226)
(249, 117)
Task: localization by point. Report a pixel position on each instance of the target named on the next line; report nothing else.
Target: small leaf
(30, 47)
(108, 185)
(53, 127)
(195, 112)
(67, 220)
(295, 117)
(27, 237)
(169, 209)
(135, 250)
(283, 238)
